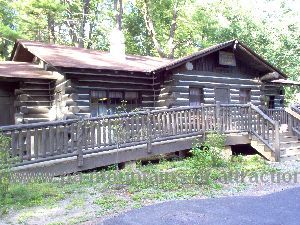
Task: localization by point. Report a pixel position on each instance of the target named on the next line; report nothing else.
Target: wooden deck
(74, 145)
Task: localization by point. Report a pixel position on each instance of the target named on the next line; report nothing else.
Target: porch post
(277, 142)
(218, 115)
(149, 132)
(290, 123)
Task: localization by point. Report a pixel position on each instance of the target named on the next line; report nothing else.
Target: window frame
(201, 96)
(109, 103)
(247, 97)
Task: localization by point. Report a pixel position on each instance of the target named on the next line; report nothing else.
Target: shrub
(210, 153)
(5, 166)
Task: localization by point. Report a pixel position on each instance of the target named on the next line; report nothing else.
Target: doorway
(222, 95)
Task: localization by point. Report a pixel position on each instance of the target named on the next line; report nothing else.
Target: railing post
(277, 142)
(79, 144)
(218, 116)
(250, 117)
(202, 117)
(149, 132)
(290, 123)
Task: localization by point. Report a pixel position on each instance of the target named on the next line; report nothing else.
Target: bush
(210, 153)
(5, 166)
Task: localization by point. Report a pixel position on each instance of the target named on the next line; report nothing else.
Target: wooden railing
(265, 129)
(293, 121)
(39, 142)
(296, 108)
(233, 117)
(279, 115)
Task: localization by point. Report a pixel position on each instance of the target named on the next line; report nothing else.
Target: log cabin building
(45, 82)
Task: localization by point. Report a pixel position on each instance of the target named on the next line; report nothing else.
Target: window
(271, 102)
(245, 96)
(196, 96)
(109, 102)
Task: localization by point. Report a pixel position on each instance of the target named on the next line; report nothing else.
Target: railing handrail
(292, 113)
(120, 115)
(261, 113)
(274, 110)
(113, 116)
(295, 107)
(37, 125)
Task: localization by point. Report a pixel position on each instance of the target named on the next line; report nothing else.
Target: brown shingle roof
(73, 57)
(10, 69)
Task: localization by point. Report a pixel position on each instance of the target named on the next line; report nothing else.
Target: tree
(162, 20)
(8, 33)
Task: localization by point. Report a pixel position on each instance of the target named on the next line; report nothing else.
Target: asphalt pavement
(280, 208)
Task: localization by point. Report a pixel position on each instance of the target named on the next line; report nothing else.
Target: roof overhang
(286, 82)
(23, 70)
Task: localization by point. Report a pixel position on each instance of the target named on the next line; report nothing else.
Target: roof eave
(265, 62)
(195, 56)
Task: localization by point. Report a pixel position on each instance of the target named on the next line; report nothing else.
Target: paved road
(281, 208)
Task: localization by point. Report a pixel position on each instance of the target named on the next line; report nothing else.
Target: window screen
(245, 96)
(196, 96)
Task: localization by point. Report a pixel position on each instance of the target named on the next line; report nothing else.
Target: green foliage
(272, 33)
(109, 202)
(5, 166)
(164, 181)
(210, 153)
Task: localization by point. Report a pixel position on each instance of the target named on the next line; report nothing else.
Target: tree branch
(151, 30)
(171, 45)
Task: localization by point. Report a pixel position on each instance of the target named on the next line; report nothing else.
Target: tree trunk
(51, 29)
(118, 13)
(86, 7)
(151, 30)
(171, 45)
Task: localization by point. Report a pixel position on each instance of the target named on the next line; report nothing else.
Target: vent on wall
(189, 66)
(227, 58)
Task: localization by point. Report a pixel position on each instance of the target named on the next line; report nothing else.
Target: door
(222, 95)
(6, 105)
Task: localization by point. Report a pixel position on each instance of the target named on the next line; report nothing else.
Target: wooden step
(289, 144)
(290, 157)
(291, 150)
(263, 149)
(288, 138)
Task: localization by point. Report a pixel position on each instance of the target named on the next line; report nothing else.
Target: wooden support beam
(270, 76)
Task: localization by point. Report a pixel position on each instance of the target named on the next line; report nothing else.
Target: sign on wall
(227, 58)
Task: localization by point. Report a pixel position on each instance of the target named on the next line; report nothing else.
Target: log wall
(64, 99)
(33, 101)
(208, 74)
(86, 80)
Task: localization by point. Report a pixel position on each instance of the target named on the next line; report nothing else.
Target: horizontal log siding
(109, 80)
(33, 100)
(175, 90)
(64, 99)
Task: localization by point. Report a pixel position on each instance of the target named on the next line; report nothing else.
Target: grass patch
(110, 202)
(26, 195)
(77, 202)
